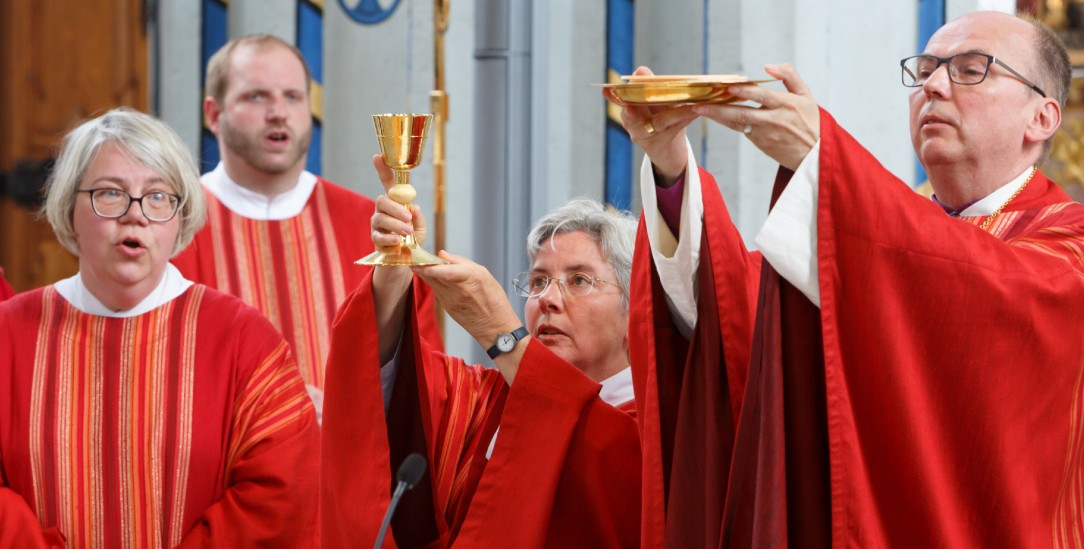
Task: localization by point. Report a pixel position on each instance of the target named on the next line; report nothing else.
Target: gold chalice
(402, 139)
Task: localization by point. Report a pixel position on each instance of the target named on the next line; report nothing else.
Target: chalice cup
(402, 139)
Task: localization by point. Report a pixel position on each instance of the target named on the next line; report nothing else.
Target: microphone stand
(410, 472)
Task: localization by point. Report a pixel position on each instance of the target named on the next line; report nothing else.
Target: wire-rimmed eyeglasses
(575, 284)
(966, 69)
(157, 206)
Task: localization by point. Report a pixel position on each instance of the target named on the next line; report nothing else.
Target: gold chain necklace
(997, 212)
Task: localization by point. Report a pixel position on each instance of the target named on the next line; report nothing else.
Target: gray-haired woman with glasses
(140, 409)
(551, 426)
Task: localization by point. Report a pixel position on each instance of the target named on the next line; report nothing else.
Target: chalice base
(403, 255)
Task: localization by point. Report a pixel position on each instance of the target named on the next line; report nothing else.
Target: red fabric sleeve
(20, 528)
(679, 384)
(952, 361)
(355, 462)
(433, 407)
(580, 454)
(272, 472)
(427, 315)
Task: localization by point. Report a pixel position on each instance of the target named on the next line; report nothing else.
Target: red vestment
(187, 425)
(6, 290)
(689, 393)
(295, 271)
(952, 362)
(564, 471)
(934, 398)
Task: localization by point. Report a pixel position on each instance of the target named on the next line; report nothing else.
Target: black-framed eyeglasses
(157, 206)
(576, 284)
(966, 69)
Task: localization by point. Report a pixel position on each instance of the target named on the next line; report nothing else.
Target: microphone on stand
(410, 472)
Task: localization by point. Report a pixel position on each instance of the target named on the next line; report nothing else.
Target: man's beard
(250, 150)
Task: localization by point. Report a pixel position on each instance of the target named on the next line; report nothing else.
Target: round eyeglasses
(113, 203)
(966, 69)
(575, 284)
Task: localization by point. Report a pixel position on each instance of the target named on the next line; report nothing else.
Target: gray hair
(1052, 61)
(150, 142)
(1055, 71)
(612, 230)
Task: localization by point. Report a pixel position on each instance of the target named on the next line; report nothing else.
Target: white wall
(845, 52)
(568, 141)
(459, 203)
(373, 69)
(277, 17)
(179, 68)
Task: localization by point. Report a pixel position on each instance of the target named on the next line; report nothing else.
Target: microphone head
(411, 471)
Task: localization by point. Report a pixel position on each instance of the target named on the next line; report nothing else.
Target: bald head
(1024, 42)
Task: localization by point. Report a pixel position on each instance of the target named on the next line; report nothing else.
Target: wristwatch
(506, 341)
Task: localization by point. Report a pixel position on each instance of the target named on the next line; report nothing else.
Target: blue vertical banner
(620, 34)
(215, 34)
(310, 40)
(931, 16)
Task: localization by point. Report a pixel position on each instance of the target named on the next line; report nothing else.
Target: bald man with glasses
(887, 371)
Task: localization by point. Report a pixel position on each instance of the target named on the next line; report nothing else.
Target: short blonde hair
(217, 79)
(150, 142)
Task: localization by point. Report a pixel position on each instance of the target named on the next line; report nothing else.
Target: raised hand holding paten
(659, 131)
(785, 125)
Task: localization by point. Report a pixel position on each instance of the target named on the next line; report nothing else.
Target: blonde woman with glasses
(140, 409)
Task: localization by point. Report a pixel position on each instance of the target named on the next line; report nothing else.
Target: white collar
(617, 389)
(991, 202)
(172, 285)
(254, 205)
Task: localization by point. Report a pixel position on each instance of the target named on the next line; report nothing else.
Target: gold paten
(613, 110)
(402, 140)
(641, 90)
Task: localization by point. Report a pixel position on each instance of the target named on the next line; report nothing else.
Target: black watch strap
(510, 337)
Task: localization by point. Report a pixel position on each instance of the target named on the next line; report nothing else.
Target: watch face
(505, 342)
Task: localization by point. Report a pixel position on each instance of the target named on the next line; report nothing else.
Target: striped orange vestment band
(289, 270)
(126, 383)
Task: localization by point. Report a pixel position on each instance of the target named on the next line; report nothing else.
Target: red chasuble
(295, 271)
(564, 470)
(952, 362)
(187, 425)
(934, 399)
(689, 393)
